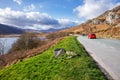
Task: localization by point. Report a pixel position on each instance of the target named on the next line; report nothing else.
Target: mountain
(32, 30)
(44, 31)
(6, 29)
(51, 30)
(106, 25)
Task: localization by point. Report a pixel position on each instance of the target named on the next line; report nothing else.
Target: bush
(27, 41)
(78, 32)
(71, 33)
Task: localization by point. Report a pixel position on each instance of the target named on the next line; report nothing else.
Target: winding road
(105, 52)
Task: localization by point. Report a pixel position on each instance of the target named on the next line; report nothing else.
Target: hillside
(106, 25)
(5, 29)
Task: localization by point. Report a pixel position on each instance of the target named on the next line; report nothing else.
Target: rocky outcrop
(112, 17)
(96, 21)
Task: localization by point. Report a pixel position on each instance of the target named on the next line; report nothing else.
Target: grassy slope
(46, 67)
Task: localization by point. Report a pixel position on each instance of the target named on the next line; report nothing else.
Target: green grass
(45, 67)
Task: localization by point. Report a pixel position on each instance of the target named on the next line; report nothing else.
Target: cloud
(32, 20)
(67, 22)
(93, 8)
(19, 2)
(29, 8)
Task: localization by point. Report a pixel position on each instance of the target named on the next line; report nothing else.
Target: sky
(47, 14)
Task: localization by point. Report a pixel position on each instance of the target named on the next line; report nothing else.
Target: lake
(8, 43)
(10, 40)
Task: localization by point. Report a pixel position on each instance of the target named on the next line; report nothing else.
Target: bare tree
(27, 41)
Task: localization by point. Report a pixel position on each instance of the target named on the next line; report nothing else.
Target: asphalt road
(105, 52)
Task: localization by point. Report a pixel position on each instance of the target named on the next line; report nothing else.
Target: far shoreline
(9, 35)
(17, 35)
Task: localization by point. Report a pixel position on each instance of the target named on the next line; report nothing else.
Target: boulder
(58, 52)
(70, 54)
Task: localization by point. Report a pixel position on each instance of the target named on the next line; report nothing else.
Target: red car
(91, 36)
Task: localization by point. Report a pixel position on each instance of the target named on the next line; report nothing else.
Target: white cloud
(18, 1)
(29, 8)
(93, 8)
(32, 20)
(67, 22)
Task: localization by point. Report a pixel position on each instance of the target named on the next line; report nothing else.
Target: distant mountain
(105, 25)
(43, 31)
(6, 29)
(51, 30)
(32, 30)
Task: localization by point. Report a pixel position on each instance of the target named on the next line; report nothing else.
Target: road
(105, 52)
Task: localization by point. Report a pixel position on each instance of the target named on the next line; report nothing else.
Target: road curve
(105, 52)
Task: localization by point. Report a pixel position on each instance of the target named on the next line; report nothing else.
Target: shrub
(27, 41)
(71, 33)
(78, 32)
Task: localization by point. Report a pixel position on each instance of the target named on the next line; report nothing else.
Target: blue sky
(46, 14)
(55, 8)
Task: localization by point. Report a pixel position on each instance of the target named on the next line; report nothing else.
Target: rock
(69, 57)
(70, 53)
(58, 52)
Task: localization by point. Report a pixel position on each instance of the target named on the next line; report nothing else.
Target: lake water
(9, 41)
